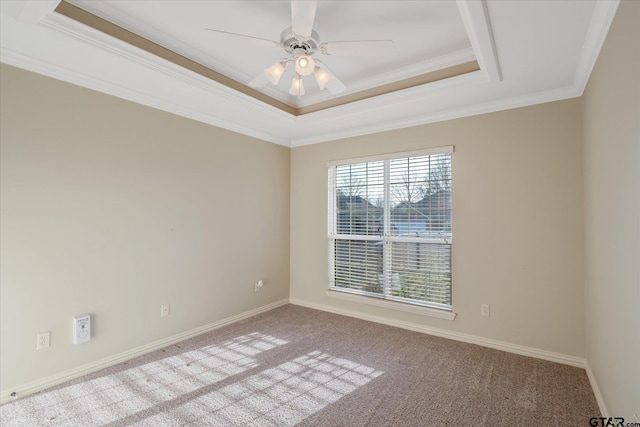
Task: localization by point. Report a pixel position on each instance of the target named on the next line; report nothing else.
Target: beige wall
(612, 215)
(517, 183)
(113, 208)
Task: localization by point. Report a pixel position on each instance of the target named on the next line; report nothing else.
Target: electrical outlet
(259, 285)
(484, 310)
(164, 310)
(44, 340)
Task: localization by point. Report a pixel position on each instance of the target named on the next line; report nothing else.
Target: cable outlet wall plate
(82, 329)
(164, 310)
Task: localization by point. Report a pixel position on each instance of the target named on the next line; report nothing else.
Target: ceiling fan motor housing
(296, 46)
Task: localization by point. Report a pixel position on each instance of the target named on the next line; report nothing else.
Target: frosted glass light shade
(305, 65)
(297, 88)
(274, 72)
(323, 77)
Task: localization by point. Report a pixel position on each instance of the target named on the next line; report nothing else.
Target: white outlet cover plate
(43, 340)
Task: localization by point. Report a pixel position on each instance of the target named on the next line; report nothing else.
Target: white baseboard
(596, 391)
(52, 380)
(472, 339)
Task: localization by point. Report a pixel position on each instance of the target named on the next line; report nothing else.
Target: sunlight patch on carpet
(117, 395)
(280, 396)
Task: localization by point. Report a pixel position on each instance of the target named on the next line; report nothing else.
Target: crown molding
(475, 17)
(441, 116)
(104, 42)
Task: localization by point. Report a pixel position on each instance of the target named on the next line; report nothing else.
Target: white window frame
(444, 311)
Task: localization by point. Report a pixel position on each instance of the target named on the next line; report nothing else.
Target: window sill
(393, 305)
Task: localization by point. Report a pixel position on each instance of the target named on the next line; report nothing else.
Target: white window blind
(390, 227)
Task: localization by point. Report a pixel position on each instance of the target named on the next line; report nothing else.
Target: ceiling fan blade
(335, 86)
(256, 41)
(259, 81)
(303, 13)
(359, 48)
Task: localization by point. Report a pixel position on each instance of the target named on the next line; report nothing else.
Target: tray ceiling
(451, 59)
(428, 36)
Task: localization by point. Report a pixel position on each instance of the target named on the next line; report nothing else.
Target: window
(390, 227)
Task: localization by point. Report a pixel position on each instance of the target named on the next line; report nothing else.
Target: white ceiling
(528, 51)
(423, 33)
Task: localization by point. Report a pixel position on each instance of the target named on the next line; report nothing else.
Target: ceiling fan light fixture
(274, 72)
(323, 77)
(297, 88)
(305, 65)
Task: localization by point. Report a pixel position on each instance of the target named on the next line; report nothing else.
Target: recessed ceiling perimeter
(429, 38)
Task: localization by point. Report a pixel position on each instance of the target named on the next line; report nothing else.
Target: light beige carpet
(297, 366)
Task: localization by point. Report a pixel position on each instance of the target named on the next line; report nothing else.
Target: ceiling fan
(301, 42)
